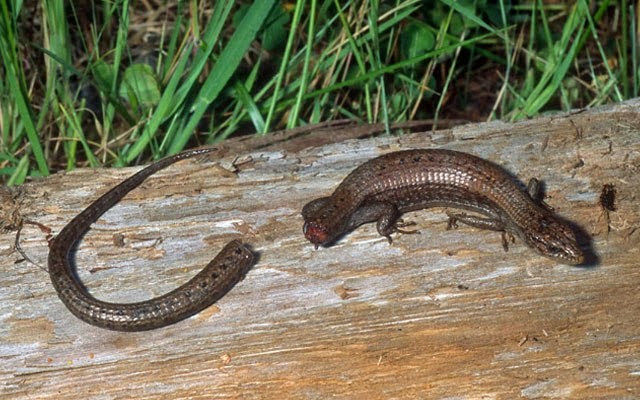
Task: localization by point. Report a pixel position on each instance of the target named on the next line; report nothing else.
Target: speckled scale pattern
(421, 178)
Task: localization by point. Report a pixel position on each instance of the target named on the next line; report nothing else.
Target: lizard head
(555, 239)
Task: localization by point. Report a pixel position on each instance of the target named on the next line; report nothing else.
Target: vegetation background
(120, 82)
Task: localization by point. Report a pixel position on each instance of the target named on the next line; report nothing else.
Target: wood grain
(442, 314)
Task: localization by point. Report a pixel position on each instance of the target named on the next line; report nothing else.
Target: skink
(384, 188)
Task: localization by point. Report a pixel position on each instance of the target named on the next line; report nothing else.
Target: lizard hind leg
(386, 215)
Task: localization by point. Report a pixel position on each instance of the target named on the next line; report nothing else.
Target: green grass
(186, 74)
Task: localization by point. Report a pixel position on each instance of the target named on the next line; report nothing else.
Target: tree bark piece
(435, 315)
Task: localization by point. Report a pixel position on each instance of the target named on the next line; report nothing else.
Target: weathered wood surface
(443, 314)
